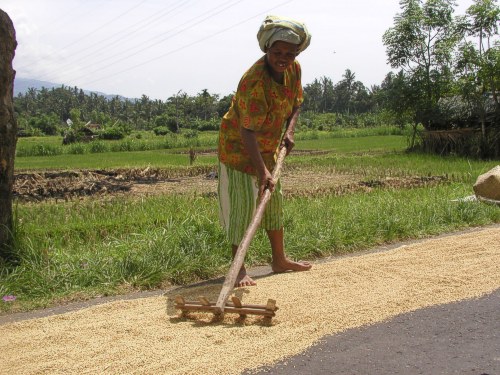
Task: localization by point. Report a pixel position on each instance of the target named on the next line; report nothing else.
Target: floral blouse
(262, 105)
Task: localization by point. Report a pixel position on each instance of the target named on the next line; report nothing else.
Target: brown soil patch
(69, 185)
(143, 336)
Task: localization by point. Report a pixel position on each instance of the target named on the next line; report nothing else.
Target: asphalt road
(461, 338)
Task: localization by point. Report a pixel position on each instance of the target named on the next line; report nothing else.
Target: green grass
(397, 163)
(94, 248)
(132, 159)
(46, 140)
(80, 249)
(359, 144)
(178, 157)
(52, 146)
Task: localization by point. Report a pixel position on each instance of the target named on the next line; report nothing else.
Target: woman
(261, 119)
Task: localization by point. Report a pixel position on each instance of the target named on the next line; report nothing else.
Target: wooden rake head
(236, 307)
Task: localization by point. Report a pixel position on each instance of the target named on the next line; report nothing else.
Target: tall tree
(180, 103)
(478, 58)
(421, 43)
(312, 96)
(344, 92)
(8, 132)
(224, 104)
(396, 96)
(351, 95)
(205, 104)
(326, 94)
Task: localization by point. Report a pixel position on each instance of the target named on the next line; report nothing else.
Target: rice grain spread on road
(142, 336)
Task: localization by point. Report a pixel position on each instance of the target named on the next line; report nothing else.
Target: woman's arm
(288, 137)
(263, 174)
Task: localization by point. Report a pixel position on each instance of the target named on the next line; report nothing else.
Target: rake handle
(239, 257)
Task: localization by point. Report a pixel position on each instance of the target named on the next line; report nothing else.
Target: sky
(159, 48)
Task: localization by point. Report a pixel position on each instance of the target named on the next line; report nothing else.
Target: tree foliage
(346, 96)
(436, 58)
(421, 43)
(477, 63)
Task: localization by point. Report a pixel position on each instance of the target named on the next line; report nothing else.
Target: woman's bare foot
(243, 279)
(290, 265)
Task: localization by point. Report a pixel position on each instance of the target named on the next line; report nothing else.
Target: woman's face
(281, 55)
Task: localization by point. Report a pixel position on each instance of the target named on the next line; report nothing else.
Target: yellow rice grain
(141, 337)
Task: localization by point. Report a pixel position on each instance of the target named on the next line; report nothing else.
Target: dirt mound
(67, 185)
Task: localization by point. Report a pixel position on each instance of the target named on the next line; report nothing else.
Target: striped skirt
(238, 197)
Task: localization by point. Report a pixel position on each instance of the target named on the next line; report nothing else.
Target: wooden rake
(222, 306)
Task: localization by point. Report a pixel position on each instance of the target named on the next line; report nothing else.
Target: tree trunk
(8, 132)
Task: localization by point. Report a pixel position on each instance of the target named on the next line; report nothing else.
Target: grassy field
(82, 249)
(179, 157)
(143, 149)
(106, 160)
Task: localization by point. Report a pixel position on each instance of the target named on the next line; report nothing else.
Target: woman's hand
(288, 141)
(266, 181)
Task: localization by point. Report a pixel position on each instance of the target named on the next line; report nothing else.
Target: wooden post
(8, 132)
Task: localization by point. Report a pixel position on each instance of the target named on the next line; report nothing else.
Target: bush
(77, 149)
(29, 132)
(169, 122)
(98, 147)
(334, 121)
(189, 134)
(112, 133)
(161, 130)
(47, 124)
(71, 136)
(126, 145)
(172, 125)
(40, 150)
(204, 125)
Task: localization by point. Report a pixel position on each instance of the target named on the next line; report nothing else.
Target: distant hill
(21, 85)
